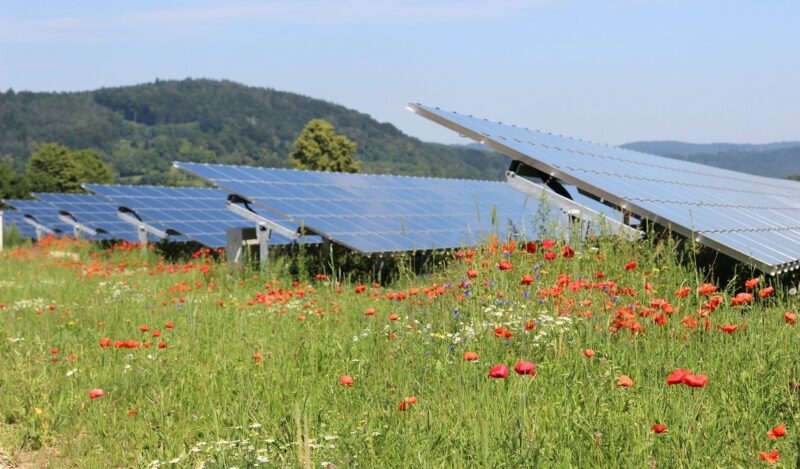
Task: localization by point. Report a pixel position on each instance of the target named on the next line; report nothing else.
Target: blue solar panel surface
(15, 218)
(196, 213)
(377, 213)
(754, 219)
(44, 213)
(95, 212)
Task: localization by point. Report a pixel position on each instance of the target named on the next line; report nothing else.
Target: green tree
(54, 168)
(319, 148)
(12, 185)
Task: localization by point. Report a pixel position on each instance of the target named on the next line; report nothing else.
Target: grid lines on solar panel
(199, 214)
(44, 213)
(752, 218)
(380, 213)
(93, 211)
(15, 218)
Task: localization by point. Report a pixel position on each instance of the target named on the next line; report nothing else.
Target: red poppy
(706, 289)
(771, 457)
(695, 381)
(658, 428)
(472, 273)
(105, 342)
(750, 284)
(549, 256)
(530, 247)
(95, 393)
(790, 318)
(777, 432)
(470, 356)
(630, 265)
(676, 377)
(729, 328)
(360, 288)
(530, 325)
(346, 380)
(54, 351)
(257, 356)
(624, 381)
(766, 292)
(394, 317)
(370, 312)
(144, 328)
(132, 412)
(567, 252)
(162, 344)
(588, 353)
(548, 243)
(170, 325)
(525, 368)
(683, 292)
(504, 265)
(498, 371)
(742, 298)
(406, 403)
(156, 334)
(527, 279)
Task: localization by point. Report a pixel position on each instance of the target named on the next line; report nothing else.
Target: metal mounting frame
(264, 227)
(41, 230)
(77, 227)
(142, 228)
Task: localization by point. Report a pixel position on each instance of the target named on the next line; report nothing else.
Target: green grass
(204, 399)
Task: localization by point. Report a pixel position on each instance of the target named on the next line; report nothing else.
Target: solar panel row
(16, 219)
(751, 218)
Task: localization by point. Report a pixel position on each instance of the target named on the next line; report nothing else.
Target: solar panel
(93, 211)
(196, 213)
(750, 218)
(43, 213)
(379, 213)
(15, 218)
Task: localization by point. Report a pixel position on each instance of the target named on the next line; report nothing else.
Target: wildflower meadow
(605, 353)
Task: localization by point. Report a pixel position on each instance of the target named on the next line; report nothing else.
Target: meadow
(603, 354)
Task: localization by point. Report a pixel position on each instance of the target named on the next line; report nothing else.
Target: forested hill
(139, 130)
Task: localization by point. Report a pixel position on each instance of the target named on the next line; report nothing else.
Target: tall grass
(250, 372)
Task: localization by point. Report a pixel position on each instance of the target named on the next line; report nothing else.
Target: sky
(611, 71)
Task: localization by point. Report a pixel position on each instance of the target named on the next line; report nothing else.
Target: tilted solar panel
(15, 218)
(378, 213)
(94, 211)
(751, 218)
(43, 212)
(198, 214)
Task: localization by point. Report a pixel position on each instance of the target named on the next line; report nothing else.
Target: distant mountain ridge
(141, 129)
(780, 160)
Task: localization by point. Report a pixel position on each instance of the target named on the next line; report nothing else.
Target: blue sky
(605, 70)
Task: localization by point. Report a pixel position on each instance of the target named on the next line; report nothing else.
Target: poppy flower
(170, 325)
(742, 298)
(567, 252)
(346, 380)
(549, 256)
(360, 289)
(162, 344)
(548, 243)
(394, 317)
(658, 428)
(530, 247)
(630, 265)
(95, 393)
(527, 279)
(132, 412)
(498, 371)
(406, 403)
(54, 351)
(624, 381)
(156, 334)
(777, 432)
(750, 284)
(790, 318)
(144, 328)
(729, 328)
(530, 325)
(771, 457)
(370, 312)
(105, 342)
(676, 377)
(766, 292)
(504, 265)
(472, 273)
(525, 368)
(470, 356)
(683, 292)
(257, 356)
(695, 381)
(706, 289)
(588, 353)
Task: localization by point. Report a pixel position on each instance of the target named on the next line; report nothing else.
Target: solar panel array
(93, 211)
(195, 213)
(751, 218)
(15, 218)
(44, 213)
(377, 213)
